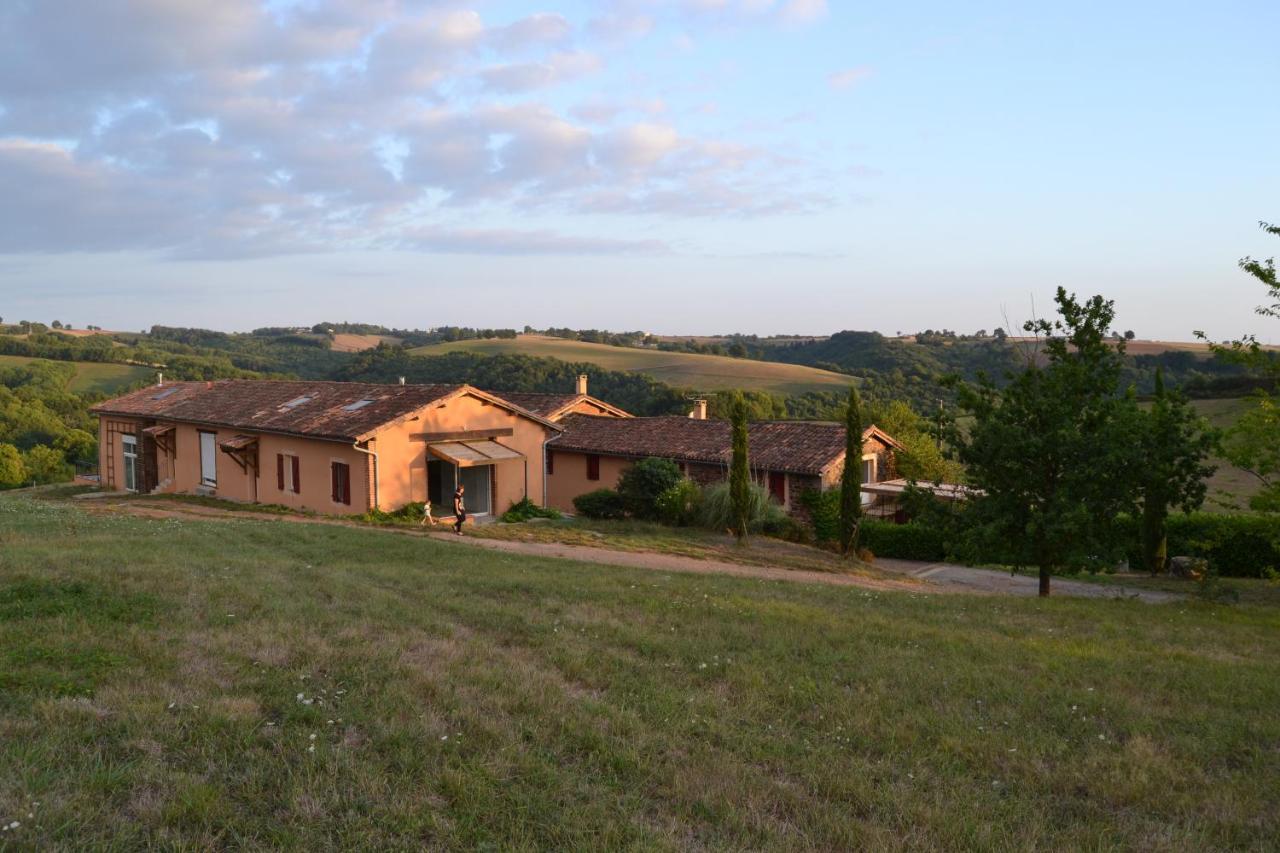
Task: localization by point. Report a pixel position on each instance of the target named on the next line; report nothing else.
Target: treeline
(637, 393)
(409, 337)
(46, 431)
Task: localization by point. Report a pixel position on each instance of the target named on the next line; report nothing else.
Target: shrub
(601, 504)
(911, 541)
(824, 513)
(717, 508)
(525, 509)
(1239, 546)
(679, 504)
(12, 472)
(642, 483)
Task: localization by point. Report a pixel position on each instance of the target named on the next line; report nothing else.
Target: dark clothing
(459, 512)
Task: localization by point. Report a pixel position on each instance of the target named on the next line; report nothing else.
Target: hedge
(1236, 545)
(911, 541)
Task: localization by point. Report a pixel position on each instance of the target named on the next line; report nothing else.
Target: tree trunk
(1044, 581)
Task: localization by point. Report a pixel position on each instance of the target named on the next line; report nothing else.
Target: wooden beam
(463, 435)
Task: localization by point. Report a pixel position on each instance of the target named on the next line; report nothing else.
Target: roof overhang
(463, 391)
(466, 454)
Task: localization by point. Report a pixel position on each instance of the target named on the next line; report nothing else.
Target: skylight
(298, 401)
(356, 406)
(166, 392)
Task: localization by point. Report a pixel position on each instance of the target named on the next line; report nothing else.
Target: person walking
(459, 510)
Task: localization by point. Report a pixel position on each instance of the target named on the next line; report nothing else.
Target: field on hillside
(201, 684)
(1229, 485)
(94, 377)
(360, 343)
(689, 370)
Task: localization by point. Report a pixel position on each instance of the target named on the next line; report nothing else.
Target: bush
(911, 541)
(717, 508)
(525, 509)
(642, 483)
(679, 504)
(1237, 546)
(600, 504)
(824, 513)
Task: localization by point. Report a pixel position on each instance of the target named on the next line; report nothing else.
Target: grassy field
(192, 684)
(94, 377)
(689, 370)
(1229, 487)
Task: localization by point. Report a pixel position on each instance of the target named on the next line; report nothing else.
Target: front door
(778, 486)
(130, 458)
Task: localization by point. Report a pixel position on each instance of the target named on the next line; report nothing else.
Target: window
(298, 401)
(356, 406)
(341, 477)
(868, 469)
(551, 461)
(288, 473)
(209, 458)
(593, 467)
(130, 456)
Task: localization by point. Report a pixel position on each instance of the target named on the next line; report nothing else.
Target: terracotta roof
(342, 411)
(802, 447)
(551, 405)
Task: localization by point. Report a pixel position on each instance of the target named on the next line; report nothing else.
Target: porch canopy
(465, 454)
(163, 436)
(243, 450)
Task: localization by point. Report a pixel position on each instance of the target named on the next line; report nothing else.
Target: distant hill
(93, 377)
(686, 370)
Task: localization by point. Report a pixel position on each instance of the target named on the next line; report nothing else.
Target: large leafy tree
(851, 476)
(1175, 442)
(1253, 443)
(740, 471)
(1052, 452)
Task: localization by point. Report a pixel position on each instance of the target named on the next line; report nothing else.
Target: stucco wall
(570, 477)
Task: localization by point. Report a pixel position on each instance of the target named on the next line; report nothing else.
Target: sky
(675, 166)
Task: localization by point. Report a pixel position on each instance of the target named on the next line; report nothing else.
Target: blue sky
(673, 165)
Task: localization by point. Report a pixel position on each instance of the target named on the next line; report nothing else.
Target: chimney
(159, 379)
(699, 412)
(401, 380)
(582, 384)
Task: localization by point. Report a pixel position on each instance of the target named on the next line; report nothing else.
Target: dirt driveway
(901, 575)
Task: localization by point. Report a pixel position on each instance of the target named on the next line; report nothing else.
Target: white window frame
(129, 461)
(200, 438)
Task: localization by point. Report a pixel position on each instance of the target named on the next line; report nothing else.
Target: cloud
(510, 242)
(849, 77)
(250, 128)
(799, 12)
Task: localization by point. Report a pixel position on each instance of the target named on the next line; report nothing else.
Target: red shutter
(297, 483)
(335, 487)
(346, 484)
(593, 467)
(551, 461)
(280, 471)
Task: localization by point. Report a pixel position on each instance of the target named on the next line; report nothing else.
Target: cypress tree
(851, 476)
(739, 469)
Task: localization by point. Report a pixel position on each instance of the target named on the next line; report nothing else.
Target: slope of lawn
(687, 370)
(197, 684)
(94, 377)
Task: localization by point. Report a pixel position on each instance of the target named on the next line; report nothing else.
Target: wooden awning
(467, 453)
(158, 430)
(243, 450)
(163, 436)
(239, 442)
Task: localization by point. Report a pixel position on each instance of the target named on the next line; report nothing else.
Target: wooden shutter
(280, 471)
(551, 461)
(335, 487)
(346, 482)
(297, 482)
(593, 467)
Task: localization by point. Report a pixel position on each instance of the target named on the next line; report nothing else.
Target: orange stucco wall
(402, 460)
(401, 467)
(570, 477)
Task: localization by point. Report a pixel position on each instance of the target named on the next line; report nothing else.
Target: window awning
(466, 453)
(158, 430)
(239, 442)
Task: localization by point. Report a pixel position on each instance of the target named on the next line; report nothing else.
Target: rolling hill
(93, 377)
(688, 370)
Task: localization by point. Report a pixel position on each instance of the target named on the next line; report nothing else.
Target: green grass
(688, 370)
(1229, 487)
(91, 376)
(454, 697)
